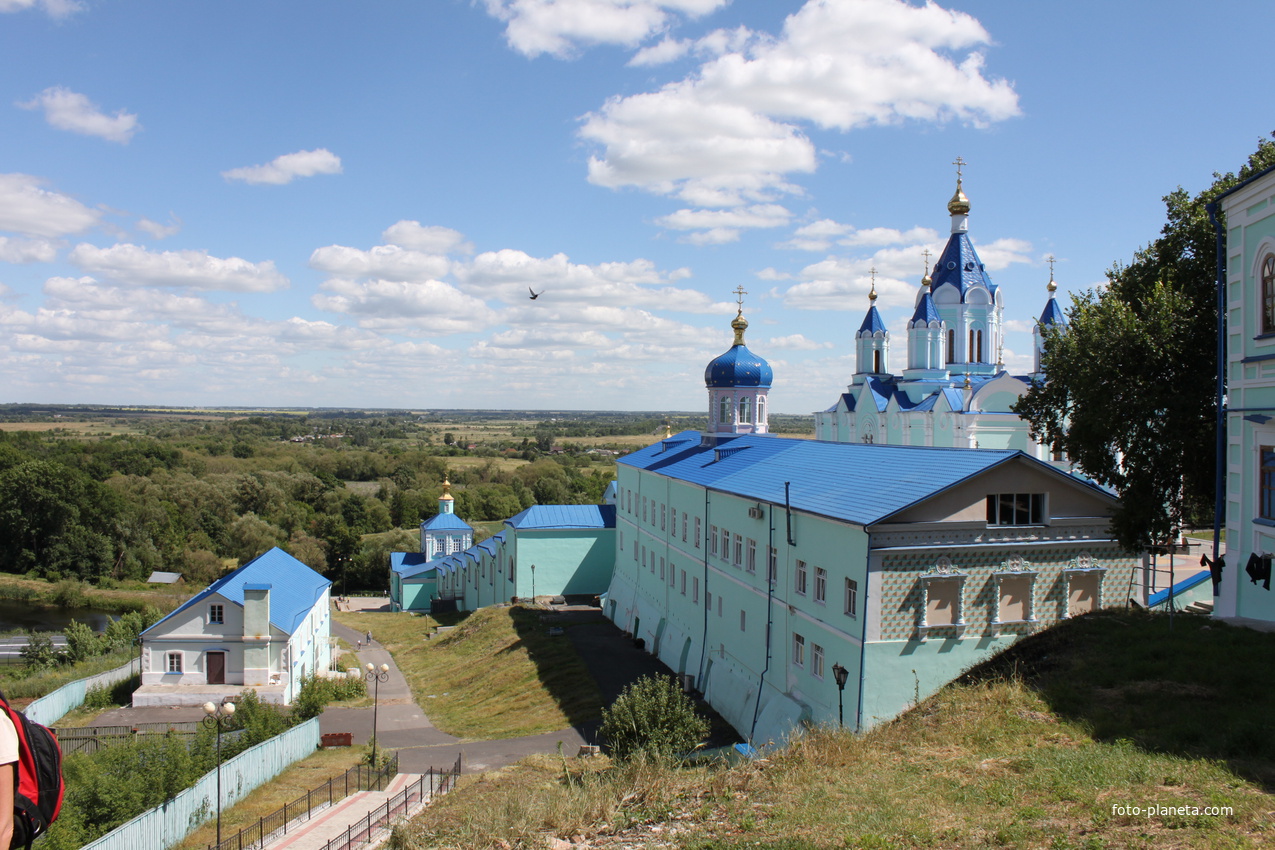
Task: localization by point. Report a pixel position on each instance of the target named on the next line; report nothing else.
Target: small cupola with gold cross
(738, 382)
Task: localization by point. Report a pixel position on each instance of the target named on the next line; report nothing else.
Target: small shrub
(70, 593)
(652, 717)
(40, 653)
(81, 642)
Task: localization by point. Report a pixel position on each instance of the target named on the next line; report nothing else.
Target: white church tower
(872, 342)
(738, 382)
(1051, 317)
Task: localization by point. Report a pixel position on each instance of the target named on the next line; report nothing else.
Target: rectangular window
(695, 590)
(739, 551)
(698, 535)
(799, 579)
(1016, 591)
(943, 602)
(672, 523)
(816, 660)
(751, 563)
(712, 538)
(719, 605)
(174, 662)
(652, 562)
(683, 582)
(635, 550)
(743, 619)
(772, 563)
(622, 540)
(216, 614)
(644, 509)
(798, 650)
(1267, 478)
(708, 600)
(661, 569)
(672, 572)
(663, 516)
(1084, 592)
(684, 528)
(643, 562)
(821, 584)
(725, 545)
(852, 598)
(1016, 509)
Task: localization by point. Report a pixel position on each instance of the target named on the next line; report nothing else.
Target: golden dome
(959, 205)
(447, 495)
(740, 324)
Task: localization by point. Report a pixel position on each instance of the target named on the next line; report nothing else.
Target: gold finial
(447, 491)
(739, 323)
(925, 278)
(872, 293)
(1052, 286)
(959, 205)
(967, 381)
(668, 429)
(1000, 357)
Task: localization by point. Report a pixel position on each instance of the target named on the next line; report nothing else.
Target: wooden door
(216, 668)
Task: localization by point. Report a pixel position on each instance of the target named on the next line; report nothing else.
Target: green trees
(652, 717)
(1130, 394)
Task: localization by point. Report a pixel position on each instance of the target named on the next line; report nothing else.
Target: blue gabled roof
(872, 321)
(401, 562)
(445, 522)
(566, 516)
(881, 391)
(294, 588)
(1053, 314)
(831, 479)
(960, 266)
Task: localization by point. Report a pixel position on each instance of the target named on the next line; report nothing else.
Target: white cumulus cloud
(389, 262)
(133, 265)
(286, 168)
(56, 9)
(559, 27)
(432, 239)
(27, 207)
(68, 110)
(26, 250)
(733, 132)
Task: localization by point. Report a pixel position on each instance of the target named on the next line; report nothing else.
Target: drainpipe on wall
(770, 621)
(703, 641)
(863, 634)
(1220, 447)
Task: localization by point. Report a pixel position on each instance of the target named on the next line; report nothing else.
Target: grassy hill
(1112, 730)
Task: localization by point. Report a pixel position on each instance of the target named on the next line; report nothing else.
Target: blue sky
(344, 204)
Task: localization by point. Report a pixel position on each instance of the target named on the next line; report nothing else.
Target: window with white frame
(772, 564)
(712, 538)
(683, 582)
(745, 411)
(695, 590)
(672, 573)
(725, 545)
(661, 569)
(750, 564)
(644, 509)
(738, 560)
(174, 662)
(1266, 482)
(724, 410)
(663, 516)
(672, 524)
(798, 650)
(799, 579)
(821, 584)
(1084, 586)
(943, 592)
(1268, 294)
(698, 529)
(816, 660)
(684, 527)
(852, 598)
(708, 600)
(216, 614)
(1015, 593)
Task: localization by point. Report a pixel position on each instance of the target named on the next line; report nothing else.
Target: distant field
(72, 429)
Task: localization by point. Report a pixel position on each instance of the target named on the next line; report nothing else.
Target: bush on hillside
(652, 717)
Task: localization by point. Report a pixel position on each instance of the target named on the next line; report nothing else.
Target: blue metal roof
(294, 588)
(830, 479)
(738, 367)
(925, 310)
(401, 562)
(960, 266)
(445, 522)
(565, 516)
(1053, 314)
(872, 321)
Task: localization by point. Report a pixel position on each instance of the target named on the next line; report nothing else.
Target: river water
(33, 618)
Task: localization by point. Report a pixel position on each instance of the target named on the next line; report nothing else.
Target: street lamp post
(533, 584)
(376, 675)
(218, 717)
(840, 674)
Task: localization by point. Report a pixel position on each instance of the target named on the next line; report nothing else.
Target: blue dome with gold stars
(738, 367)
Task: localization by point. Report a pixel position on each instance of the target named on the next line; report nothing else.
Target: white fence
(51, 708)
(177, 818)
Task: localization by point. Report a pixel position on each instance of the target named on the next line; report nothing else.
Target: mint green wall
(568, 561)
(417, 592)
(897, 672)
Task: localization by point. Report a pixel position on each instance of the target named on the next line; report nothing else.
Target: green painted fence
(51, 708)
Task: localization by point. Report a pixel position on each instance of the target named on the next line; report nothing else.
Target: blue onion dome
(738, 367)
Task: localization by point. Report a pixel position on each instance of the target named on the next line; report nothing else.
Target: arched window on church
(745, 411)
(976, 347)
(761, 411)
(951, 346)
(723, 411)
(876, 361)
(1268, 294)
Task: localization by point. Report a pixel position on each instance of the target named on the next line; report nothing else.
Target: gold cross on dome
(1050, 259)
(740, 292)
(959, 163)
(926, 254)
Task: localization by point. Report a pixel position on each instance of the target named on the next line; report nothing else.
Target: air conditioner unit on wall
(756, 513)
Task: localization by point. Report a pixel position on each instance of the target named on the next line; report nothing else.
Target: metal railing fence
(428, 786)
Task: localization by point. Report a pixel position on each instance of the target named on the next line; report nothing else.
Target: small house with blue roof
(264, 626)
(413, 575)
(953, 390)
(561, 550)
(802, 581)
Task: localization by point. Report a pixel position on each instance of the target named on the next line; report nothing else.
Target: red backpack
(37, 798)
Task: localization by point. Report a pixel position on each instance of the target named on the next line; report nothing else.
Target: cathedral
(954, 390)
